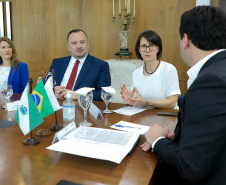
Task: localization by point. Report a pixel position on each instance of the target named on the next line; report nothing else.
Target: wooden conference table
(35, 165)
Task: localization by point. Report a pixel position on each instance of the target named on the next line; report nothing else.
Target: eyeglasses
(151, 47)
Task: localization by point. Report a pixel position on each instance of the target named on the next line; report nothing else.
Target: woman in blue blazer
(12, 71)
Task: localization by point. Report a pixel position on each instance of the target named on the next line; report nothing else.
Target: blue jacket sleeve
(103, 81)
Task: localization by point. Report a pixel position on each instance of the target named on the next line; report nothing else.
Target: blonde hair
(14, 61)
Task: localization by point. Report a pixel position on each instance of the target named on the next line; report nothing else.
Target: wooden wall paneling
(40, 29)
(104, 40)
(30, 33)
(215, 2)
(169, 33)
(67, 16)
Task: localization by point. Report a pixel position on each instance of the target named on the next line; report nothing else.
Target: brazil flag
(41, 100)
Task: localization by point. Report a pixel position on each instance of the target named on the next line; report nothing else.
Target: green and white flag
(51, 95)
(41, 100)
(27, 115)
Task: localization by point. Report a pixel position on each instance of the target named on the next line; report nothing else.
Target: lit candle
(128, 6)
(134, 7)
(119, 6)
(113, 8)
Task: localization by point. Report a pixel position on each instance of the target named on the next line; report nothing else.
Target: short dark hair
(205, 26)
(151, 37)
(76, 31)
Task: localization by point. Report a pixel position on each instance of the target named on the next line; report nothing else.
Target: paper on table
(97, 143)
(129, 111)
(12, 106)
(131, 127)
(84, 90)
(109, 89)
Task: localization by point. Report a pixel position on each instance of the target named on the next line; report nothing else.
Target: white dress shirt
(69, 69)
(4, 74)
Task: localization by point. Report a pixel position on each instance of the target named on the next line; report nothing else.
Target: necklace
(153, 71)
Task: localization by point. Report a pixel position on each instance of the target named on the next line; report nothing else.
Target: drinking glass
(106, 97)
(7, 92)
(85, 102)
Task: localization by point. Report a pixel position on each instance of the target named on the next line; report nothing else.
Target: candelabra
(126, 21)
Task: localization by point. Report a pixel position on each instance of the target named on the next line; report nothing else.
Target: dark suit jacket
(94, 73)
(18, 77)
(197, 154)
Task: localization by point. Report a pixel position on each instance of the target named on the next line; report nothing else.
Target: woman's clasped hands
(128, 96)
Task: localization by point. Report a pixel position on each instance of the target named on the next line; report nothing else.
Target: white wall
(202, 2)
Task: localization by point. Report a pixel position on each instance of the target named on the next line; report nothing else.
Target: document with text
(98, 143)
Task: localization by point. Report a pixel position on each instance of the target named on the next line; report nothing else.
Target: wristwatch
(146, 103)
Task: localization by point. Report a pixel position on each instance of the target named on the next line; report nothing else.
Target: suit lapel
(87, 64)
(219, 56)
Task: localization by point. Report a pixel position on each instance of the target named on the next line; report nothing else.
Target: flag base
(56, 127)
(43, 133)
(31, 141)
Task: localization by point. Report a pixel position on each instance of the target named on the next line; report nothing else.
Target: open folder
(98, 143)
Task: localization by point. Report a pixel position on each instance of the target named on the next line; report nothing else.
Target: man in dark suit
(89, 72)
(196, 154)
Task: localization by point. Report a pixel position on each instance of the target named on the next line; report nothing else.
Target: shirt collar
(81, 61)
(194, 70)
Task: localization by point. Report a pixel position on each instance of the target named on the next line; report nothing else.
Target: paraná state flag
(27, 115)
(41, 100)
(51, 95)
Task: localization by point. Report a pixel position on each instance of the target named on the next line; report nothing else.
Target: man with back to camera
(80, 69)
(196, 153)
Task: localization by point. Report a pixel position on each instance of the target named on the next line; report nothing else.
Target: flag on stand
(27, 115)
(51, 95)
(41, 100)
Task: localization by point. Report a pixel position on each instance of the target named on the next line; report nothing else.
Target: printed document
(98, 143)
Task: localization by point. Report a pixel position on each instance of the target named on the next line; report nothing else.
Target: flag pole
(31, 140)
(56, 126)
(43, 132)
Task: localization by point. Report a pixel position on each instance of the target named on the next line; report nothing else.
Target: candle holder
(126, 22)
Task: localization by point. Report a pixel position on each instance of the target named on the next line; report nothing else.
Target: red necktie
(71, 80)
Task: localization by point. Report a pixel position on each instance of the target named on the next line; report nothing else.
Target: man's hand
(74, 96)
(155, 132)
(145, 146)
(58, 91)
(170, 136)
